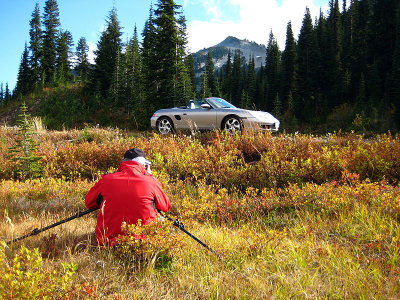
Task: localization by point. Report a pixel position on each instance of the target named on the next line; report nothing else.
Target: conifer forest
(341, 72)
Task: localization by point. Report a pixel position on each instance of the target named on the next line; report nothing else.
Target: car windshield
(220, 103)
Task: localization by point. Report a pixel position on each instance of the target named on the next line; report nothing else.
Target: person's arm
(94, 198)
(161, 200)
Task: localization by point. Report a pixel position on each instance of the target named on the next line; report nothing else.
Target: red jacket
(127, 196)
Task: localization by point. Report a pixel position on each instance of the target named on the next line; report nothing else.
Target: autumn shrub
(256, 160)
(149, 246)
(213, 203)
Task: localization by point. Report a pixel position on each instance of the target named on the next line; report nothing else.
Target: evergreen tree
(150, 64)
(236, 78)
(382, 37)
(333, 54)
(51, 24)
(395, 78)
(82, 60)
(108, 49)
(306, 74)
(35, 46)
(7, 95)
(277, 110)
(167, 52)
(245, 101)
(1, 94)
(251, 82)
(23, 85)
(64, 56)
(134, 73)
(288, 67)
(260, 88)
(272, 72)
(361, 12)
(324, 70)
(209, 69)
(227, 79)
(24, 151)
(205, 91)
(183, 81)
(189, 61)
(346, 50)
(118, 88)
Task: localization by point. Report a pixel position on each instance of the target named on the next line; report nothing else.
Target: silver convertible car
(212, 113)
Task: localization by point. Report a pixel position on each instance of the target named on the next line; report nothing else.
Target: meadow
(290, 215)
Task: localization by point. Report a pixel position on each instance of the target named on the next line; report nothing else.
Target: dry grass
(308, 258)
(334, 240)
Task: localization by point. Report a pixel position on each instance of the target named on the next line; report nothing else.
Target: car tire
(232, 125)
(165, 125)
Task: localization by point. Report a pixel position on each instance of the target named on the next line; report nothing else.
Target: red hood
(131, 167)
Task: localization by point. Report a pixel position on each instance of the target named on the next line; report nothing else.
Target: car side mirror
(205, 105)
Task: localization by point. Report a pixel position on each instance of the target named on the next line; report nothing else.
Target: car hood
(263, 116)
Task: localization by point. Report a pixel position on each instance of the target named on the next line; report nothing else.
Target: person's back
(127, 195)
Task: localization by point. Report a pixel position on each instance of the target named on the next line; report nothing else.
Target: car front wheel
(165, 125)
(232, 125)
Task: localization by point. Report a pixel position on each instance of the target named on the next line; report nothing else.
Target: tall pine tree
(1, 94)
(382, 37)
(134, 73)
(108, 50)
(209, 69)
(205, 91)
(227, 78)
(35, 46)
(236, 79)
(395, 78)
(332, 57)
(51, 22)
(64, 56)
(183, 81)
(306, 71)
(272, 72)
(166, 52)
(23, 85)
(82, 60)
(251, 82)
(360, 11)
(7, 95)
(288, 67)
(189, 61)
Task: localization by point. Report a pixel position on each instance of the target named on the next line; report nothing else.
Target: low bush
(26, 277)
(146, 247)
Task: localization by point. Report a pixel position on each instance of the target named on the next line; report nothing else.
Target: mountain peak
(220, 52)
(234, 42)
(230, 41)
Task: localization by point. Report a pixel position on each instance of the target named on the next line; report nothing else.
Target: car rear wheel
(232, 125)
(165, 125)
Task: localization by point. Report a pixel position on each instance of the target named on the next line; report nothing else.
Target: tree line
(341, 72)
(132, 77)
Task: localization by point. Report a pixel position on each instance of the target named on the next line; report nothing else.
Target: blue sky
(209, 22)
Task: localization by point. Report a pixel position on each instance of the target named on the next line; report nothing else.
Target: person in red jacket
(129, 194)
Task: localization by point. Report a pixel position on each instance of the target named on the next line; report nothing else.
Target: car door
(200, 118)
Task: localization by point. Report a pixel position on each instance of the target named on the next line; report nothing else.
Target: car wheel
(232, 125)
(165, 125)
